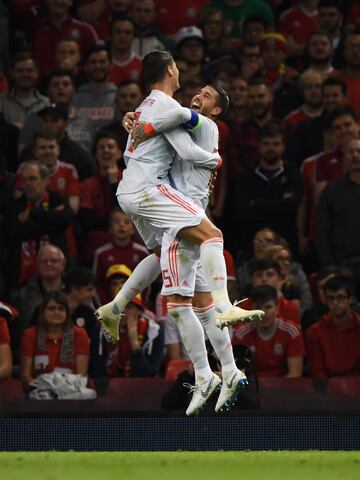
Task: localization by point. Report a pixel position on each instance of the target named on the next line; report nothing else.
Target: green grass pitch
(180, 465)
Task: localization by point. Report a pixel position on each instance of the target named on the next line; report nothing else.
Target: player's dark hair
(263, 294)
(223, 99)
(334, 81)
(155, 65)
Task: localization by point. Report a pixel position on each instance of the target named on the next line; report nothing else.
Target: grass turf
(180, 465)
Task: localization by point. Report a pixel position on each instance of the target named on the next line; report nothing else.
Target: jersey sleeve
(188, 150)
(176, 117)
(4, 332)
(27, 346)
(82, 342)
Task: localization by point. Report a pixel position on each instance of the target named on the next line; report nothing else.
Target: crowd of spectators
(287, 197)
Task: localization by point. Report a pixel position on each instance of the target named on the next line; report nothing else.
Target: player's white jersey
(189, 178)
(149, 164)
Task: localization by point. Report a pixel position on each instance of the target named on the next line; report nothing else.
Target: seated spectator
(96, 98)
(53, 344)
(139, 352)
(61, 90)
(333, 344)
(295, 285)
(5, 350)
(44, 31)
(54, 119)
(277, 344)
(50, 266)
(122, 249)
(263, 238)
(23, 99)
(38, 216)
(125, 63)
(82, 299)
(97, 194)
(147, 36)
(268, 272)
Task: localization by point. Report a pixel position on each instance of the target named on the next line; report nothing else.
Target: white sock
(214, 267)
(193, 337)
(142, 276)
(219, 339)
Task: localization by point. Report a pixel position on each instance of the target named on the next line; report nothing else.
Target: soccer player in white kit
(157, 208)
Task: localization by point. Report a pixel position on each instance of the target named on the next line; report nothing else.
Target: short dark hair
(271, 129)
(154, 66)
(337, 282)
(262, 265)
(78, 277)
(223, 101)
(96, 49)
(328, 270)
(341, 111)
(121, 18)
(330, 3)
(264, 293)
(45, 134)
(255, 19)
(105, 134)
(257, 80)
(61, 72)
(21, 57)
(334, 81)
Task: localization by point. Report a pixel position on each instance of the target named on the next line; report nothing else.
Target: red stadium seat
(289, 384)
(349, 386)
(11, 389)
(174, 367)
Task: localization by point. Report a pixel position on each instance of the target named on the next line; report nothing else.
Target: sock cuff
(176, 306)
(202, 310)
(213, 241)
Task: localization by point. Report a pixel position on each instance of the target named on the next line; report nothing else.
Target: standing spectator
(96, 98)
(53, 344)
(68, 57)
(99, 13)
(351, 72)
(82, 299)
(54, 120)
(236, 11)
(140, 350)
(171, 16)
(244, 141)
(125, 63)
(353, 16)
(213, 26)
(310, 87)
(128, 97)
(320, 52)
(249, 60)
(338, 227)
(5, 350)
(270, 194)
(277, 344)
(97, 194)
(122, 249)
(45, 31)
(50, 266)
(308, 138)
(38, 216)
(331, 19)
(238, 109)
(61, 89)
(23, 99)
(297, 24)
(147, 36)
(191, 48)
(333, 344)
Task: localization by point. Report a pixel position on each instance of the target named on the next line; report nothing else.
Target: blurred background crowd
(287, 197)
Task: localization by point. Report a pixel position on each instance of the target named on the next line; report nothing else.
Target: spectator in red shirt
(122, 249)
(277, 344)
(46, 31)
(310, 87)
(5, 351)
(54, 344)
(172, 15)
(97, 194)
(333, 344)
(125, 63)
(353, 16)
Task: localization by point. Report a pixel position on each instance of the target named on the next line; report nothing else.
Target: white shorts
(160, 209)
(181, 269)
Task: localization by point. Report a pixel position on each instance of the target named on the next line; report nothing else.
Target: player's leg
(179, 269)
(233, 379)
